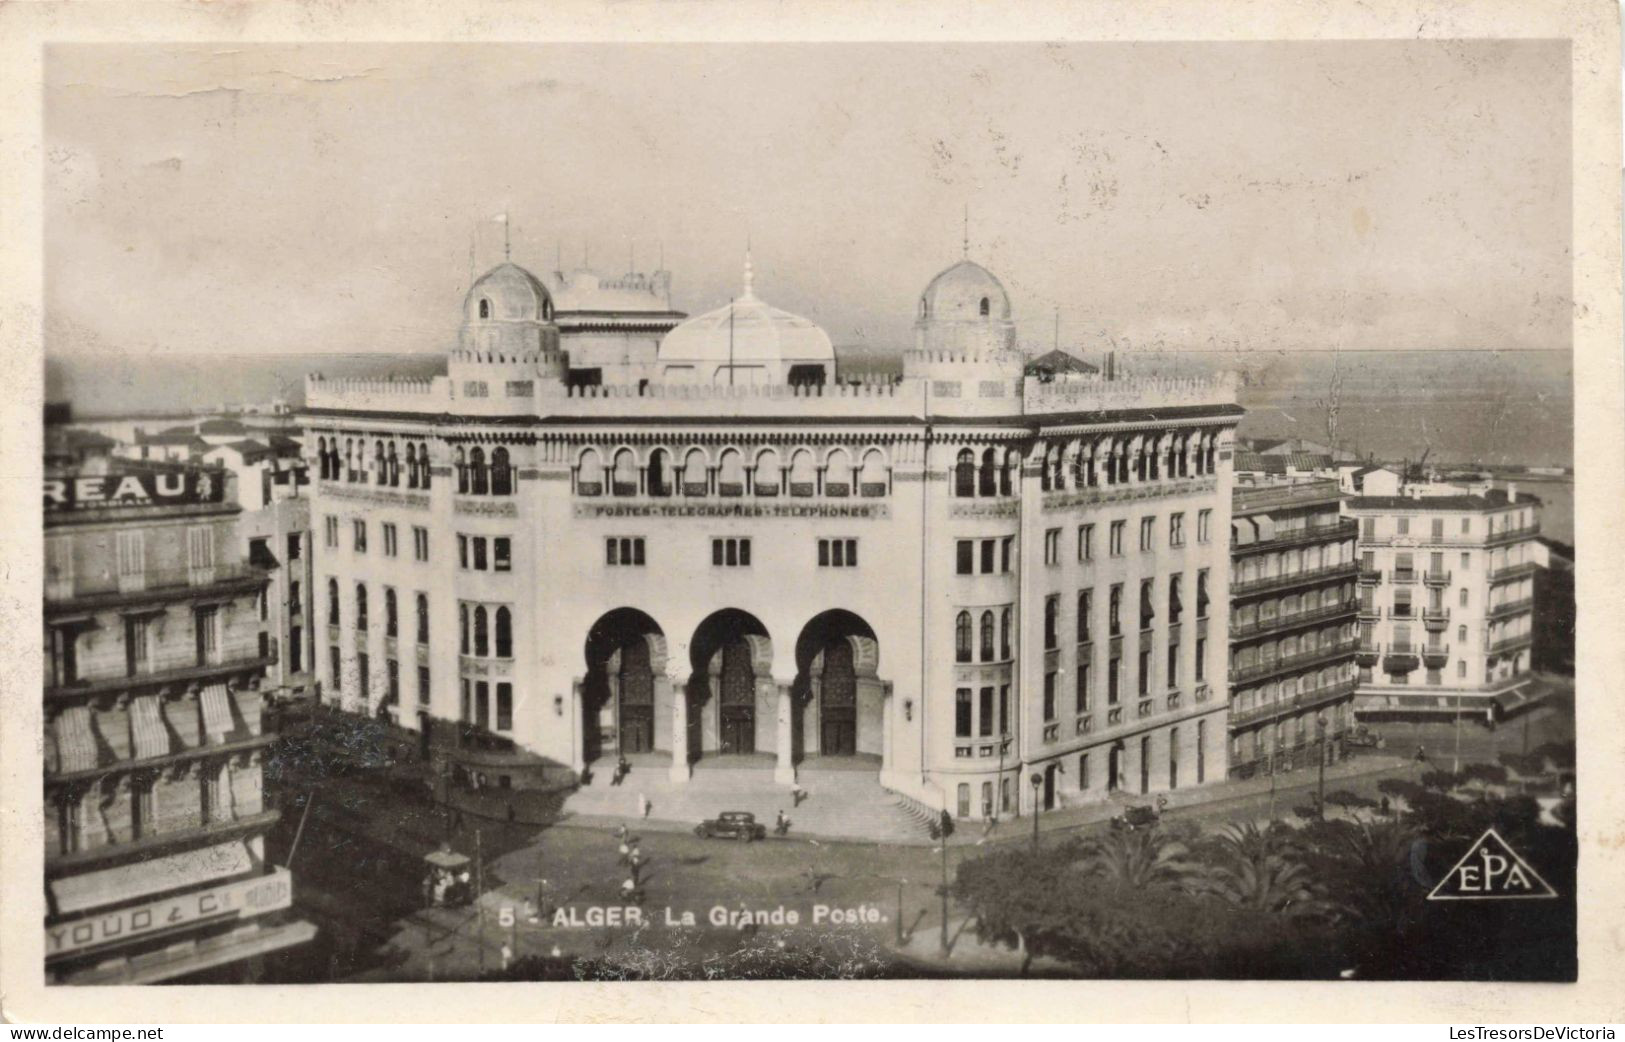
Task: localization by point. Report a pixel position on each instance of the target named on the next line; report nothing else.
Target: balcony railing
(1370, 576)
(1285, 622)
(1437, 656)
(1436, 578)
(1367, 655)
(1435, 618)
(1507, 573)
(1298, 702)
(1400, 658)
(90, 686)
(1403, 575)
(1509, 643)
(88, 593)
(1512, 535)
(1281, 582)
(1316, 534)
(1294, 662)
(1501, 611)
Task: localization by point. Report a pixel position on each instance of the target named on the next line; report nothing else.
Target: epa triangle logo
(1491, 870)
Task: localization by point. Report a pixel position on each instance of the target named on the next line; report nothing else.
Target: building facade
(962, 580)
(1293, 627)
(1447, 593)
(154, 851)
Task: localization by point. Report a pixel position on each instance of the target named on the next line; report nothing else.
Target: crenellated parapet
(386, 393)
(1087, 392)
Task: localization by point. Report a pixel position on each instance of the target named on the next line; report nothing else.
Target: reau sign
(162, 488)
(242, 899)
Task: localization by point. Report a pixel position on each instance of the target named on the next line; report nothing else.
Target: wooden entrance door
(838, 702)
(738, 701)
(637, 699)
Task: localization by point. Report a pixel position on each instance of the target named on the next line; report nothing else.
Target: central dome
(965, 291)
(508, 293)
(747, 341)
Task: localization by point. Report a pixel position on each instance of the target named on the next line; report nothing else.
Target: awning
(148, 736)
(110, 886)
(75, 744)
(260, 555)
(216, 713)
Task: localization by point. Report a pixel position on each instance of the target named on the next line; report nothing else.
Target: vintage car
(1132, 819)
(447, 883)
(1363, 737)
(732, 824)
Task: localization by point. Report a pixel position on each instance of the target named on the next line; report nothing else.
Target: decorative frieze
(376, 496)
(859, 510)
(486, 508)
(1128, 493)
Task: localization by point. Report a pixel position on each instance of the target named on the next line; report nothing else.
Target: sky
(1251, 196)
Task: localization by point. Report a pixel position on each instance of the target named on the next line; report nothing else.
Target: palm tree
(1140, 860)
(1378, 868)
(1255, 869)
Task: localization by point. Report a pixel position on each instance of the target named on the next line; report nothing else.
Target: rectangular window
(624, 551)
(1176, 529)
(1404, 524)
(1083, 693)
(1114, 610)
(1007, 547)
(1466, 526)
(392, 678)
(477, 544)
(206, 621)
(137, 645)
(390, 548)
(295, 546)
(502, 553)
(504, 707)
(1201, 658)
(1368, 528)
(987, 556)
(1004, 709)
(1052, 611)
(1438, 528)
(962, 713)
(730, 553)
(462, 551)
(211, 807)
(423, 685)
(1116, 548)
(985, 724)
(334, 669)
(1086, 609)
(200, 548)
(363, 675)
(296, 650)
(1461, 669)
(1083, 771)
(1466, 561)
(143, 805)
(1049, 695)
(965, 556)
(1086, 542)
(1173, 664)
(420, 543)
(482, 704)
(1463, 597)
(1148, 610)
(1114, 680)
(360, 535)
(330, 532)
(1052, 546)
(1148, 529)
(1204, 525)
(837, 553)
(1145, 673)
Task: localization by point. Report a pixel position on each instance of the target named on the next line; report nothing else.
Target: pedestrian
(626, 851)
(507, 955)
(637, 864)
(643, 805)
(798, 794)
(1384, 807)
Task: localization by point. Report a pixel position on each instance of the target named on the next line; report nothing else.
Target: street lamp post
(1037, 780)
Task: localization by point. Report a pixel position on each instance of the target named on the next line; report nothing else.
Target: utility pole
(1037, 780)
(479, 894)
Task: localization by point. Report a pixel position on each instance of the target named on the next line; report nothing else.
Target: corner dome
(759, 341)
(508, 293)
(965, 292)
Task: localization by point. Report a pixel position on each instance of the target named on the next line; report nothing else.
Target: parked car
(1363, 737)
(732, 824)
(1134, 818)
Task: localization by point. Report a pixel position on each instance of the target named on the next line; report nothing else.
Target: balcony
(1510, 608)
(1366, 655)
(1281, 623)
(95, 593)
(1436, 578)
(1436, 656)
(1512, 535)
(93, 686)
(1403, 575)
(1435, 619)
(1404, 612)
(1370, 576)
(1400, 658)
(1294, 662)
(1507, 573)
(1269, 583)
(1306, 536)
(1297, 703)
(1511, 643)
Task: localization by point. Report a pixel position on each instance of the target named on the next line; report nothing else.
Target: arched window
(982, 308)
(321, 458)
(423, 465)
(349, 459)
(380, 468)
(478, 483)
(332, 602)
(501, 473)
(767, 473)
(1046, 479)
(360, 606)
(590, 474)
(874, 479)
(462, 629)
(411, 465)
(987, 480)
(1005, 634)
(391, 615)
(1176, 606)
(1114, 613)
(1011, 472)
(658, 473)
(461, 463)
(987, 636)
(423, 618)
(394, 467)
(965, 474)
(731, 473)
(838, 473)
(504, 633)
(696, 473)
(485, 308)
(803, 474)
(624, 474)
(482, 632)
(962, 637)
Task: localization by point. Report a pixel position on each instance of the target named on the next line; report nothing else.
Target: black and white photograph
(671, 511)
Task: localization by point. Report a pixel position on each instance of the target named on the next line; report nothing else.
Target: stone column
(784, 773)
(680, 770)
